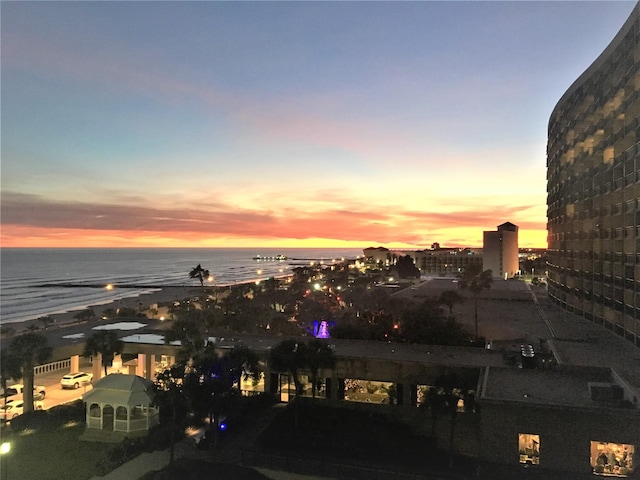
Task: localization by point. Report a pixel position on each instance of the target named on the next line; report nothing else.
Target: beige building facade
(593, 189)
(500, 251)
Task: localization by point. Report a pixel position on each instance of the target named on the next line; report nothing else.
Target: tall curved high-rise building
(593, 189)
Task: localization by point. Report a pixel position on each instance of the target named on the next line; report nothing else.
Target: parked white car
(13, 408)
(39, 391)
(75, 380)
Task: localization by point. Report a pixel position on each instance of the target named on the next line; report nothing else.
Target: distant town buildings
(377, 255)
(446, 261)
(593, 189)
(435, 261)
(500, 251)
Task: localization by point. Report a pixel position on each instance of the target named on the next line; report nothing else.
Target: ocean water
(38, 281)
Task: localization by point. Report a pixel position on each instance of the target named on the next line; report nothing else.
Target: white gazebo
(121, 403)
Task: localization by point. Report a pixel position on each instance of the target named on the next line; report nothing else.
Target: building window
(356, 390)
(612, 459)
(529, 448)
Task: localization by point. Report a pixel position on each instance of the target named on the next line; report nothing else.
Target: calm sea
(37, 281)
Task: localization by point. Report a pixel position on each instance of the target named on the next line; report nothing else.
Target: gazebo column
(96, 366)
(74, 366)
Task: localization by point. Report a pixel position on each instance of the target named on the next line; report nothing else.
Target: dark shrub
(50, 419)
(36, 420)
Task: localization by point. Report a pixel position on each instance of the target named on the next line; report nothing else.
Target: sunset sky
(284, 124)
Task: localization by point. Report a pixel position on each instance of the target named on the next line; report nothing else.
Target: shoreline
(143, 301)
(162, 296)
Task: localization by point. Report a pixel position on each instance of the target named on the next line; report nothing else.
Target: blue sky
(284, 123)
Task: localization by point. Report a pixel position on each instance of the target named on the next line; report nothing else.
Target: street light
(5, 448)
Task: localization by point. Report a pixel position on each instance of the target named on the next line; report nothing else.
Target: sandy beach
(142, 302)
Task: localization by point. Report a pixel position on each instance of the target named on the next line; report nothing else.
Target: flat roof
(559, 386)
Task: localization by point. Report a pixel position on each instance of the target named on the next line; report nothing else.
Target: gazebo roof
(121, 389)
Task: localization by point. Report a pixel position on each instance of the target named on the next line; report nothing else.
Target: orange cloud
(33, 221)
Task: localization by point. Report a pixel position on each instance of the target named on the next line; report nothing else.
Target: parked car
(13, 408)
(74, 380)
(39, 391)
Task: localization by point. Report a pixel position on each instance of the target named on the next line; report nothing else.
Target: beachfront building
(593, 189)
(377, 256)
(500, 251)
(446, 261)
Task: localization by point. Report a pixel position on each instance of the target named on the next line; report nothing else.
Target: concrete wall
(565, 433)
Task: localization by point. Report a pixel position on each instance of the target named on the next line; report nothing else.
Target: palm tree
(213, 382)
(106, 343)
(172, 403)
(318, 356)
(475, 280)
(27, 351)
(199, 273)
(288, 356)
(190, 335)
(9, 369)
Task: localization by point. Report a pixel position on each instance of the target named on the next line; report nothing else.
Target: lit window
(529, 448)
(612, 459)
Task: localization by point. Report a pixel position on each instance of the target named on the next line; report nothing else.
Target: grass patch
(51, 455)
(327, 431)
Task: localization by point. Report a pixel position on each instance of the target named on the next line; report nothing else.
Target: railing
(52, 367)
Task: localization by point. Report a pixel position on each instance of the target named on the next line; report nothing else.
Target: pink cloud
(357, 223)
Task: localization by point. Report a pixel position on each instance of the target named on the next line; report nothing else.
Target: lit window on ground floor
(287, 387)
(251, 386)
(430, 396)
(529, 448)
(368, 391)
(612, 459)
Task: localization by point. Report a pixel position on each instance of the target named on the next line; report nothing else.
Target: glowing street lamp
(5, 448)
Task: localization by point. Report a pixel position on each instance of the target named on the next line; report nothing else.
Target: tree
(475, 280)
(9, 369)
(293, 357)
(426, 324)
(287, 356)
(318, 356)
(106, 343)
(85, 315)
(190, 336)
(406, 268)
(27, 351)
(213, 382)
(450, 298)
(172, 402)
(199, 273)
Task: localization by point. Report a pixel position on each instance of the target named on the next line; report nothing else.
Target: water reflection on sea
(37, 281)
